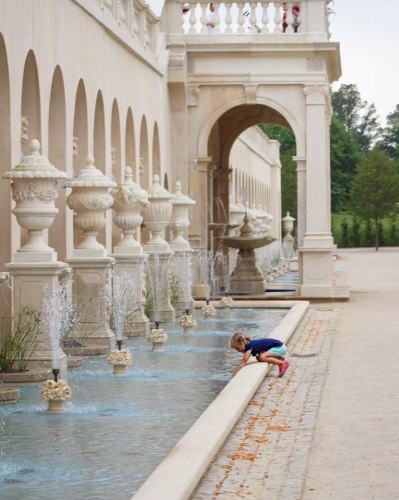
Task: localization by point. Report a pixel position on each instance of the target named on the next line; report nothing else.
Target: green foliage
(175, 289)
(390, 137)
(19, 339)
(345, 242)
(149, 304)
(375, 189)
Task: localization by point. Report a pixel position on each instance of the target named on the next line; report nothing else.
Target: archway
(30, 106)
(57, 156)
(156, 155)
(130, 143)
(80, 129)
(144, 155)
(99, 134)
(5, 165)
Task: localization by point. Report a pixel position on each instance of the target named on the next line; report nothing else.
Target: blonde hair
(239, 339)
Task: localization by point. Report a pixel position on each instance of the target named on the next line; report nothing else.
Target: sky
(368, 33)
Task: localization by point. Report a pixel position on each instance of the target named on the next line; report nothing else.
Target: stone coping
(179, 473)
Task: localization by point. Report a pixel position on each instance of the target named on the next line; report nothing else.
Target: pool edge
(177, 476)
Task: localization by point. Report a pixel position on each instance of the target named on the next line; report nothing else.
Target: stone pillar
(317, 246)
(35, 266)
(201, 194)
(91, 285)
(182, 271)
(129, 199)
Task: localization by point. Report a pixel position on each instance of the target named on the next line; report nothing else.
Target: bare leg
(267, 357)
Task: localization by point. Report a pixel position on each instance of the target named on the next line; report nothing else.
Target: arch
(156, 154)
(130, 143)
(99, 133)
(144, 155)
(57, 156)
(30, 105)
(210, 121)
(116, 143)
(5, 164)
(80, 128)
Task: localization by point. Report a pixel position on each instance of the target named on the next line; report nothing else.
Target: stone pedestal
(91, 289)
(182, 270)
(137, 324)
(246, 277)
(158, 279)
(316, 258)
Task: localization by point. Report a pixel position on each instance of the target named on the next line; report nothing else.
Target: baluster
(290, 19)
(277, 18)
(216, 19)
(204, 18)
(265, 17)
(228, 19)
(252, 18)
(192, 19)
(241, 18)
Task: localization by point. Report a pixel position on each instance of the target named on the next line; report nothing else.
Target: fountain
(246, 277)
(55, 307)
(187, 321)
(158, 337)
(122, 289)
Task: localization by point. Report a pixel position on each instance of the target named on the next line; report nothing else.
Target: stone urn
(119, 359)
(156, 215)
(129, 200)
(157, 337)
(179, 221)
(34, 189)
(288, 223)
(208, 310)
(55, 392)
(89, 200)
(187, 322)
(226, 302)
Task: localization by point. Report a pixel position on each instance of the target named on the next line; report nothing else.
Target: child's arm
(243, 362)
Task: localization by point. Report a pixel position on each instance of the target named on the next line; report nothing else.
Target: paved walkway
(328, 429)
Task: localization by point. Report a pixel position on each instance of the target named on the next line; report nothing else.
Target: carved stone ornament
(179, 221)
(316, 94)
(24, 129)
(34, 189)
(129, 200)
(89, 199)
(157, 215)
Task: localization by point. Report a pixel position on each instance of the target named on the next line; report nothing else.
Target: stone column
(317, 248)
(200, 192)
(129, 199)
(35, 266)
(92, 268)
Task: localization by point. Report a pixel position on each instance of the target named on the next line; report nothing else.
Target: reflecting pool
(117, 429)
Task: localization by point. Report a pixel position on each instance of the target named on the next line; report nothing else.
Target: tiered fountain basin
(116, 430)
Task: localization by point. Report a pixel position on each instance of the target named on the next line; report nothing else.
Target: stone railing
(131, 20)
(231, 17)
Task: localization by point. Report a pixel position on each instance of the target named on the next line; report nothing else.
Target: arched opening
(5, 165)
(130, 143)
(30, 106)
(115, 158)
(80, 129)
(156, 155)
(144, 156)
(99, 134)
(57, 156)
(99, 146)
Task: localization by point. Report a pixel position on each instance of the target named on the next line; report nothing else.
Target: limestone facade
(167, 96)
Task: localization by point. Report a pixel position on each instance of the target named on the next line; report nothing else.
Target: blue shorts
(279, 351)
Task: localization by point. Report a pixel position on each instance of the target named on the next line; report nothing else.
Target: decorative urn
(288, 223)
(157, 337)
(89, 200)
(179, 221)
(156, 215)
(129, 200)
(34, 189)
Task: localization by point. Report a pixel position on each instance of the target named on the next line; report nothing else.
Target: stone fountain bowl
(246, 243)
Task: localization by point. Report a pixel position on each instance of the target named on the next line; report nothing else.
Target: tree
(358, 117)
(375, 189)
(344, 159)
(390, 136)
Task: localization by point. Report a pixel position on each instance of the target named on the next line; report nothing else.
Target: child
(268, 350)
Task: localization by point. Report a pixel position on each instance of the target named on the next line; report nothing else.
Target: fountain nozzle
(207, 302)
(119, 344)
(56, 372)
(187, 312)
(157, 324)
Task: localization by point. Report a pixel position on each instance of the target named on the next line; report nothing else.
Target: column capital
(202, 163)
(316, 94)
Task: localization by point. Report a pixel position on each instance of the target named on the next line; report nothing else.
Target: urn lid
(179, 198)
(129, 190)
(156, 191)
(89, 176)
(288, 218)
(34, 165)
